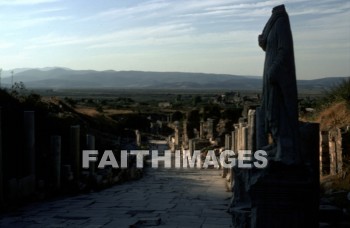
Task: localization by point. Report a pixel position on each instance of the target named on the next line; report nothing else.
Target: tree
(196, 100)
(177, 116)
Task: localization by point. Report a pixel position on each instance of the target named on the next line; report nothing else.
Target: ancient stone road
(162, 198)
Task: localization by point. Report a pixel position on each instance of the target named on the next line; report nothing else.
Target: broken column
(75, 150)
(210, 123)
(227, 142)
(244, 142)
(251, 130)
(190, 146)
(233, 141)
(177, 136)
(332, 155)
(201, 129)
(90, 145)
(56, 160)
(27, 183)
(185, 135)
(339, 151)
(324, 153)
(236, 139)
(138, 138)
(29, 141)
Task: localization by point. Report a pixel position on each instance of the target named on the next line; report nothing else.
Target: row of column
(27, 184)
(243, 137)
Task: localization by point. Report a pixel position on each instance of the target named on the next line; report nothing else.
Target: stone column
(333, 157)
(324, 153)
(177, 136)
(242, 136)
(210, 128)
(339, 151)
(245, 138)
(262, 140)
(201, 129)
(75, 150)
(227, 142)
(56, 160)
(237, 134)
(27, 183)
(190, 146)
(251, 130)
(185, 135)
(233, 141)
(29, 141)
(138, 138)
(90, 145)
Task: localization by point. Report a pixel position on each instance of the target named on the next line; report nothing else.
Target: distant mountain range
(64, 78)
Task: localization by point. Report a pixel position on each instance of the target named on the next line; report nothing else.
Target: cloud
(39, 20)
(131, 36)
(5, 44)
(25, 2)
(140, 10)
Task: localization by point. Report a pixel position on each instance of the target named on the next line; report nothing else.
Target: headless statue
(279, 101)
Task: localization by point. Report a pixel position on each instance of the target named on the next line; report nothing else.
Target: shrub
(339, 92)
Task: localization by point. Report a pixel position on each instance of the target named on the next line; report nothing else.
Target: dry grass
(87, 111)
(117, 111)
(336, 115)
(93, 112)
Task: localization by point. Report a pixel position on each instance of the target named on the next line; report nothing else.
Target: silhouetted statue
(279, 99)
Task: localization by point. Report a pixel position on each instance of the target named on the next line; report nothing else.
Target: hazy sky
(211, 36)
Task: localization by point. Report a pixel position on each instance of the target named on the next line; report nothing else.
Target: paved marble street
(162, 198)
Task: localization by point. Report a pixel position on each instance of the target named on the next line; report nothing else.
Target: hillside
(58, 78)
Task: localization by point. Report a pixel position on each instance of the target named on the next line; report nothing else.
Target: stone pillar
(75, 150)
(190, 146)
(201, 129)
(324, 153)
(251, 130)
(27, 183)
(242, 136)
(262, 140)
(237, 137)
(138, 138)
(29, 142)
(333, 157)
(90, 145)
(185, 135)
(245, 138)
(339, 151)
(227, 142)
(210, 123)
(177, 136)
(233, 141)
(1, 164)
(56, 160)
